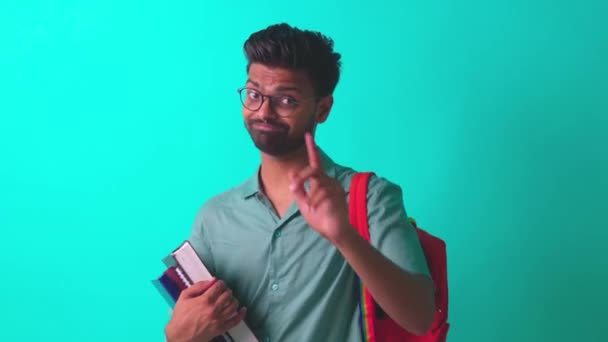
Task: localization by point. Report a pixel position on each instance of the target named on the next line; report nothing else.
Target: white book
(190, 265)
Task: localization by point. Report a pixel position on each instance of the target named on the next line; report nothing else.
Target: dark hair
(288, 47)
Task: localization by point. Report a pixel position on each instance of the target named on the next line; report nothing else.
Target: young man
(281, 242)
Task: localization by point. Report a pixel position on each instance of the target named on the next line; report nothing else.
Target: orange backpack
(381, 328)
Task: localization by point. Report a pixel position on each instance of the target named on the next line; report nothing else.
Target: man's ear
(324, 107)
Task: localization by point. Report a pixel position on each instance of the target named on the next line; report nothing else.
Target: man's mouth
(268, 127)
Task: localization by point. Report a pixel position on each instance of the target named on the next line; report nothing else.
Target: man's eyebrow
(279, 88)
(286, 88)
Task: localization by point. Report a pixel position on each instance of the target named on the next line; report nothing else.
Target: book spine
(183, 276)
(171, 272)
(171, 288)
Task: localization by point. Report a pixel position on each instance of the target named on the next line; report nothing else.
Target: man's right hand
(203, 311)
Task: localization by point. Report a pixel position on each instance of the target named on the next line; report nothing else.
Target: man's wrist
(169, 335)
(347, 238)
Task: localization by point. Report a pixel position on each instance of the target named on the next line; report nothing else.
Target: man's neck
(274, 172)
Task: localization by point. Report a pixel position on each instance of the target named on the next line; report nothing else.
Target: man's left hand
(324, 205)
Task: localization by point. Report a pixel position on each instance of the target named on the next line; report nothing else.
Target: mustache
(275, 123)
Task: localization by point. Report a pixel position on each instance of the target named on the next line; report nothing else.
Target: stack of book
(184, 268)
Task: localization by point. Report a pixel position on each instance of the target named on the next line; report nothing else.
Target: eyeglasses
(282, 105)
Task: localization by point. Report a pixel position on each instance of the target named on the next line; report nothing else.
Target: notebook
(184, 268)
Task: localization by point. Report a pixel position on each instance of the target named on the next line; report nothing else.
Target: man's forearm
(406, 298)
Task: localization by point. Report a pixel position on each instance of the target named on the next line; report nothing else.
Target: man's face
(278, 127)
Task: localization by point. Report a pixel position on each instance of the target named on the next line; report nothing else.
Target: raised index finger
(313, 154)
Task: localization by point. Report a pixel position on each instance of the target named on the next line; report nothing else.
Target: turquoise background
(118, 119)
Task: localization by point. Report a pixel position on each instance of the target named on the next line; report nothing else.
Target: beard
(278, 142)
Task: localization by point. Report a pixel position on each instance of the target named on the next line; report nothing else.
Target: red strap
(358, 218)
(352, 200)
(358, 203)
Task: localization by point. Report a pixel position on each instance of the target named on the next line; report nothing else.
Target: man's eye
(253, 95)
(287, 101)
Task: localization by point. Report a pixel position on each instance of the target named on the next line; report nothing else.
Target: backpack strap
(358, 219)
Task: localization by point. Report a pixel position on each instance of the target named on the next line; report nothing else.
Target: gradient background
(118, 119)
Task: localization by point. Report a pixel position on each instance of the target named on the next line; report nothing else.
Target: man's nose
(266, 111)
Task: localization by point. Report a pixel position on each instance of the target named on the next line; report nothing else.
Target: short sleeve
(200, 242)
(390, 231)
